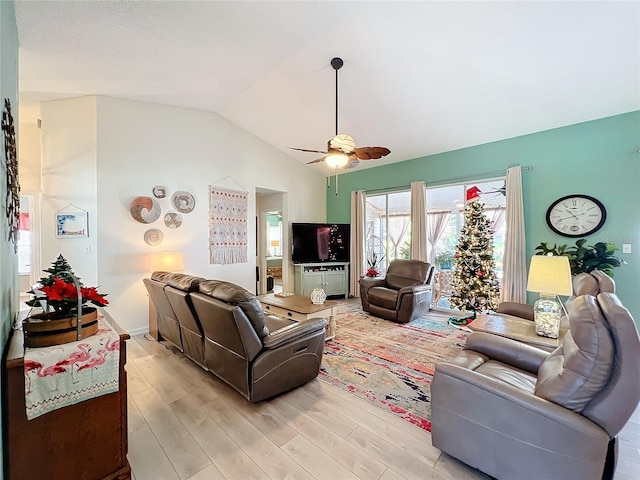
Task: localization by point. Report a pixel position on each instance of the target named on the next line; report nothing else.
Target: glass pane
(388, 228)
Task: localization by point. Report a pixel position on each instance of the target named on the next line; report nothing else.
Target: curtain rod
(452, 180)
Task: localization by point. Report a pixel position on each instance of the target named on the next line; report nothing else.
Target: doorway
(272, 261)
(28, 242)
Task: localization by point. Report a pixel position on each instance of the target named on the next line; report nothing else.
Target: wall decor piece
(173, 220)
(153, 237)
(160, 191)
(183, 202)
(13, 187)
(227, 226)
(71, 224)
(145, 209)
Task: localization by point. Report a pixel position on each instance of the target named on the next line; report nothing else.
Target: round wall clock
(576, 215)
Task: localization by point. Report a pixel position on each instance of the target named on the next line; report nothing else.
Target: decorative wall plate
(183, 202)
(160, 191)
(153, 237)
(173, 220)
(145, 209)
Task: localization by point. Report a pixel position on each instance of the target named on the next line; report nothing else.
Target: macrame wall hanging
(227, 224)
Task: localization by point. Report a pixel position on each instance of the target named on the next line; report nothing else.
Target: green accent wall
(8, 89)
(598, 158)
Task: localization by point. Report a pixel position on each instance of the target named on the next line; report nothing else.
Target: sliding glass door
(388, 228)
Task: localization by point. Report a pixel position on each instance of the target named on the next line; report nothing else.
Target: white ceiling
(419, 77)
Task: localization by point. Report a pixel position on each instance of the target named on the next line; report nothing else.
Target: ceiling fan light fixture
(337, 160)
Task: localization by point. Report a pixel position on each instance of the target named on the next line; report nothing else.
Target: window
(388, 227)
(449, 201)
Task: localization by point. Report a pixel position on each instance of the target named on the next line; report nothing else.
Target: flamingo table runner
(73, 372)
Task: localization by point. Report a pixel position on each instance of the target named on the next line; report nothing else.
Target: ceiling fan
(341, 149)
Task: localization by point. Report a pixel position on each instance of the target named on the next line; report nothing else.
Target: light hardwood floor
(184, 423)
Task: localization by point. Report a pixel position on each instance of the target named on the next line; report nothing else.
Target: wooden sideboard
(85, 441)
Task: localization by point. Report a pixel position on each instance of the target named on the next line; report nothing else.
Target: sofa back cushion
(236, 295)
(405, 273)
(617, 401)
(584, 284)
(574, 373)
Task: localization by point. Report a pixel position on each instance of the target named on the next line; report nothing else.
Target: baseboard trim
(138, 331)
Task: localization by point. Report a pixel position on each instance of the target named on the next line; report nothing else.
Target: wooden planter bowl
(45, 329)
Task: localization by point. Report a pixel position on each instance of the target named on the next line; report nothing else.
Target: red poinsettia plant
(60, 291)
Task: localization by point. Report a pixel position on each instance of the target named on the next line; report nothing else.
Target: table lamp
(550, 276)
(168, 262)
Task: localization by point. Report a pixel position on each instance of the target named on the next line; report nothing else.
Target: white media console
(332, 277)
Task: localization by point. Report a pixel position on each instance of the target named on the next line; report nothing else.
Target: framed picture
(71, 225)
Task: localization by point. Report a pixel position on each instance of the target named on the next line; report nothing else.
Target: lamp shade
(550, 275)
(168, 262)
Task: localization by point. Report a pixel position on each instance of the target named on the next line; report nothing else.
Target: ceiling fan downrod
(337, 64)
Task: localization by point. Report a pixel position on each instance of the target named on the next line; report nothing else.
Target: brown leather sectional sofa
(222, 328)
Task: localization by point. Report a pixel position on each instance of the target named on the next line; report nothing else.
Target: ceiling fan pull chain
(336, 181)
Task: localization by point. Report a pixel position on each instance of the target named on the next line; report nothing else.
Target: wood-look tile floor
(184, 423)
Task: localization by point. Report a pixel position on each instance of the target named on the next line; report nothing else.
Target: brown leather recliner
(259, 355)
(402, 295)
(517, 412)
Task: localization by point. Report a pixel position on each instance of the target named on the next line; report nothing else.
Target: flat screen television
(320, 242)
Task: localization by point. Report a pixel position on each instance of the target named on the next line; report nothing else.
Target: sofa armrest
(505, 350)
(369, 282)
(293, 332)
(413, 289)
(516, 309)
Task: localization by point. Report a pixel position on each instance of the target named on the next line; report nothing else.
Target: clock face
(576, 215)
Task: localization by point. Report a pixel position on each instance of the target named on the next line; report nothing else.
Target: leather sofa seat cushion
(236, 295)
(383, 297)
(577, 370)
(406, 274)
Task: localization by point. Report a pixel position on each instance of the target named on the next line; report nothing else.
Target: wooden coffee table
(298, 307)
(515, 328)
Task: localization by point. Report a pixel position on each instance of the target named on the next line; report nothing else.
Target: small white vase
(318, 296)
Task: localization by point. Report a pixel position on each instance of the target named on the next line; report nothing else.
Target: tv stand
(332, 277)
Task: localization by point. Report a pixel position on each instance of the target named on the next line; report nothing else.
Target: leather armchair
(583, 284)
(517, 412)
(402, 295)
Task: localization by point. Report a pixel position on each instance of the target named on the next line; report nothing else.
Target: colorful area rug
(388, 364)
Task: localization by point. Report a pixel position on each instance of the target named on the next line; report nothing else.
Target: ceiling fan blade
(307, 150)
(371, 153)
(317, 160)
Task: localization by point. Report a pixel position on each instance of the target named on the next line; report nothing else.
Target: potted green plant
(585, 258)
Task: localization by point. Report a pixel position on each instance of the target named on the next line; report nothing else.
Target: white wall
(140, 145)
(69, 177)
(30, 150)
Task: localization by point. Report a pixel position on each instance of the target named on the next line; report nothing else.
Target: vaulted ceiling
(418, 77)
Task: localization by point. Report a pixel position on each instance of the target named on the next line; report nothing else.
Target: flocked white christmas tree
(475, 284)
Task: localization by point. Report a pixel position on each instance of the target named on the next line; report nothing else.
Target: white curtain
(514, 281)
(497, 218)
(357, 247)
(418, 221)
(436, 224)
